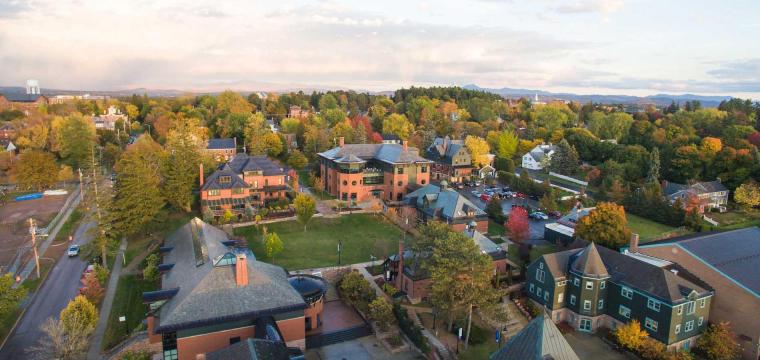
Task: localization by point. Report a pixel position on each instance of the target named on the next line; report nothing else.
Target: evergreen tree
(653, 175)
(183, 147)
(565, 159)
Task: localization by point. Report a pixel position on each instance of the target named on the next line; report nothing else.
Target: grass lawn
(141, 242)
(494, 229)
(127, 302)
(361, 235)
(514, 252)
(735, 219)
(648, 230)
(480, 351)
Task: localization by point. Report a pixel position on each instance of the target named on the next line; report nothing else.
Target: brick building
(21, 101)
(440, 203)
(360, 172)
(222, 149)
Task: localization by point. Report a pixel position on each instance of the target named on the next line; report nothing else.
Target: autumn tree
(399, 125)
(80, 315)
(184, 146)
(59, 343)
(517, 224)
(718, 342)
(9, 296)
(150, 271)
(381, 311)
(255, 132)
(92, 289)
(297, 160)
(631, 336)
(232, 102)
(478, 148)
(748, 194)
(610, 126)
(36, 170)
(605, 225)
(305, 207)
(565, 159)
(77, 136)
(273, 245)
(503, 143)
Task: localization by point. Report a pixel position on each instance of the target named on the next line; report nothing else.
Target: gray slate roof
(449, 203)
(237, 166)
(539, 340)
(540, 151)
(208, 294)
(221, 144)
(671, 188)
(21, 97)
(444, 149)
(252, 349)
(213, 183)
(389, 153)
(589, 263)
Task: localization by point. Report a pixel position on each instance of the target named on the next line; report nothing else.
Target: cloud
(12, 8)
(747, 70)
(589, 6)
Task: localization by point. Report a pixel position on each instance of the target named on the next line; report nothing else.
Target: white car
(73, 250)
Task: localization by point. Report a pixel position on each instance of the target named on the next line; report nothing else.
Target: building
(539, 340)
(256, 349)
(594, 287)
(538, 157)
(222, 149)
(7, 145)
(297, 112)
(440, 203)
(22, 102)
(729, 262)
(711, 194)
(452, 159)
(562, 232)
(7, 131)
(214, 294)
(109, 119)
(273, 127)
(390, 139)
(244, 182)
(360, 172)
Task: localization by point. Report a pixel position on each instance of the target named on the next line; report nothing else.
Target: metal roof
(539, 340)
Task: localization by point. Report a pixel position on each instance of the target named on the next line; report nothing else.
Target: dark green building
(595, 287)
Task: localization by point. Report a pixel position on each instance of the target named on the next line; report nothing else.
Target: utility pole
(33, 231)
(81, 183)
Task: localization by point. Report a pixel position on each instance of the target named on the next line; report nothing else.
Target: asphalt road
(61, 286)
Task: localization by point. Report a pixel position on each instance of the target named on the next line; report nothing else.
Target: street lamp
(340, 248)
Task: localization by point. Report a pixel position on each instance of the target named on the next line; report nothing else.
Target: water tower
(32, 87)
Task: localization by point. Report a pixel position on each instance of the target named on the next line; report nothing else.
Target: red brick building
(222, 149)
(360, 172)
(21, 101)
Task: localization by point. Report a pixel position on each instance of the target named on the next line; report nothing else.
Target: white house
(538, 157)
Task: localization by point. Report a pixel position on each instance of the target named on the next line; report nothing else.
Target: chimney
(405, 144)
(200, 166)
(234, 141)
(634, 245)
(241, 271)
(400, 264)
(341, 141)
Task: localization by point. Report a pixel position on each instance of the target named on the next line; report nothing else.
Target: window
(589, 285)
(690, 307)
(540, 275)
(532, 287)
(624, 311)
(702, 302)
(540, 265)
(234, 340)
(538, 292)
(237, 191)
(577, 282)
(400, 183)
(256, 184)
(586, 304)
(700, 321)
(689, 326)
(650, 324)
(423, 170)
(353, 183)
(225, 179)
(602, 284)
(345, 182)
(423, 182)
(601, 304)
(680, 310)
(562, 283)
(213, 192)
(560, 297)
(653, 304)
(399, 170)
(546, 296)
(572, 299)
(678, 328)
(626, 292)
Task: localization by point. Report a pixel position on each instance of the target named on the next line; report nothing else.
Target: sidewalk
(105, 309)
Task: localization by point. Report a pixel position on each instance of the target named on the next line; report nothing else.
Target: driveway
(591, 346)
(61, 285)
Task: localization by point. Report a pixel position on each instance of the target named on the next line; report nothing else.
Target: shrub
(356, 290)
(381, 311)
(718, 342)
(150, 272)
(389, 289)
(394, 341)
(412, 331)
(102, 273)
(137, 355)
(630, 336)
(478, 335)
(651, 349)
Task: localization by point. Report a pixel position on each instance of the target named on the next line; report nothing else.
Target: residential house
(297, 112)
(214, 294)
(108, 120)
(710, 194)
(594, 287)
(538, 157)
(729, 262)
(453, 161)
(7, 145)
(22, 101)
(244, 182)
(440, 203)
(390, 139)
(360, 172)
(562, 232)
(222, 149)
(539, 340)
(7, 131)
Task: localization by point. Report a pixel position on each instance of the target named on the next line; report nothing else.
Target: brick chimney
(200, 167)
(341, 141)
(400, 264)
(634, 245)
(405, 144)
(241, 271)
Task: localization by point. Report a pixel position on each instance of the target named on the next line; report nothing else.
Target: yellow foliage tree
(630, 335)
(606, 225)
(80, 315)
(478, 148)
(748, 194)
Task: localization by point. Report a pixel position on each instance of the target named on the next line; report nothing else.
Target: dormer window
(225, 260)
(225, 179)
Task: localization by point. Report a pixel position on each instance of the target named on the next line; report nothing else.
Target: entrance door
(585, 325)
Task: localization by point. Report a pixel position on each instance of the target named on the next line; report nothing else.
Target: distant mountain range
(659, 99)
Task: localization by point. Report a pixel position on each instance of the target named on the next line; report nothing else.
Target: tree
(478, 149)
(297, 160)
(232, 102)
(718, 342)
(255, 132)
(630, 335)
(76, 137)
(565, 159)
(494, 210)
(92, 289)
(748, 194)
(517, 224)
(399, 125)
(36, 170)
(356, 290)
(59, 343)
(504, 143)
(184, 146)
(548, 202)
(381, 311)
(151, 272)
(273, 245)
(273, 144)
(652, 349)
(305, 207)
(80, 315)
(9, 297)
(550, 118)
(611, 126)
(653, 175)
(605, 225)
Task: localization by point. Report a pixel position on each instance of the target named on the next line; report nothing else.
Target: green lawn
(361, 235)
(139, 243)
(127, 302)
(494, 229)
(513, 252)
(737, 218)
(648, 230)
(480, 351)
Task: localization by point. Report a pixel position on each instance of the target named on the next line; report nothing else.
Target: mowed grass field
(362, 235)
(649, 230)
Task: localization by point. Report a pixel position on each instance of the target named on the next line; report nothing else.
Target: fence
(568, 178)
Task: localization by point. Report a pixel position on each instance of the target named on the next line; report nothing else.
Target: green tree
(232, 102)
(494, 210)
(748, 194)
(305, 207)
(255, 133)
(356, 290)
(548, 201)
(718, 342)
(605, 225)
(327, 101)
(399, 125)
(653, 175)
(76, 137)
(550, 118)
(504, 143)
(9, 297)
(36, 170)
(611, 126)
(150, 272)
(565, 159)
(381, 311)
(273, 245)
(184, 150)
(297, 160)
(79, 315)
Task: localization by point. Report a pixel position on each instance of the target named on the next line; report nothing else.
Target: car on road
(520, 195)
(537, 215)
(73, 250)
(485, 197)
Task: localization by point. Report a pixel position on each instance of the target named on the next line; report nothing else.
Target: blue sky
(636, 47)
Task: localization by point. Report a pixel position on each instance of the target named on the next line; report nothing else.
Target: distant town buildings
(709, 194)
(297, 112)
(109, 119)
(538, 157)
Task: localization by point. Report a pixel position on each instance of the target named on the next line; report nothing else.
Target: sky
(633, 47)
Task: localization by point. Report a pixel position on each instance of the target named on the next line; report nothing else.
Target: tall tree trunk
(451, 320)
(469, 325)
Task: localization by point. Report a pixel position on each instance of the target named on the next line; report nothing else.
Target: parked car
(459, 185)
(478, 183)
(520, 195)
(73, 250)
(507, 188)
(476, 193)
(485, 197)
(506, 194)
(537, 215)
(534, 197)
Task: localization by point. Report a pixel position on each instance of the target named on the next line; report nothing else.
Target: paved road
(61, 286)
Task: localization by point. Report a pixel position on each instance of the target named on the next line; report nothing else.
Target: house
(408, 275)
(297, 112)
(452, 159)
(7, 145)
(222, 149)
(539, 340)
(594, 287)
(244, 182)
(390, 139)
(538, 157)
(440, 203)
(7, 131)
(214, 294)
(728, 261)
(273, 127)
(561, 232)
(487, 172)
(710, 194)
(108, 120)
(360, 172)
(22, 101)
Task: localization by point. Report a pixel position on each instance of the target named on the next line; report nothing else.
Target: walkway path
(132, 267)
(105, 309)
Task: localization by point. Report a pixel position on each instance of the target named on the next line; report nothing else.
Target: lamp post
(459, 335)
(340, 248)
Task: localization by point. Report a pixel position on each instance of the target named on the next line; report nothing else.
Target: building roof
(734, 254)
(541, 151)
(213, 182)
(7, 126)
(659, 282)
(539, 340)
(444, 149)
(671, 188)
(252, 349)
(589, 262)
(21, 97)
(390, 137)
(446, 203)
(243, 162)
(203, 276)
(389, 153)
(221, 144)
(571, 218)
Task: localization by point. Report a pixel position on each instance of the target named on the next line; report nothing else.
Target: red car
(485, 197)
(520, 195)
